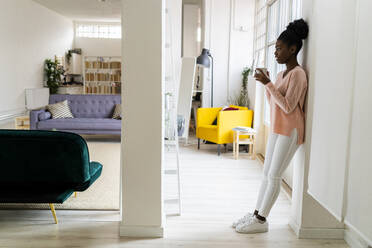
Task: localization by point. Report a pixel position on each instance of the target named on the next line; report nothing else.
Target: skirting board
(316, 233)
(355, 239)
(8, 115)
(141, 231)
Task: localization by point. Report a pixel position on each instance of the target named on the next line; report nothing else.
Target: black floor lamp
(204, 60)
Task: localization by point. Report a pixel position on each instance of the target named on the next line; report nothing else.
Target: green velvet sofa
(44, 166)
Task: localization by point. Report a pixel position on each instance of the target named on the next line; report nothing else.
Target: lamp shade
(203, 59)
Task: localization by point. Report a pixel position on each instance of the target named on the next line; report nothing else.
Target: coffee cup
(263, 70)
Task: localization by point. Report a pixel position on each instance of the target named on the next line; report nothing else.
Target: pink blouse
(287, 99)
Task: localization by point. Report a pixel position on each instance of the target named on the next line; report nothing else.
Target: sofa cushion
(117, 112)
(80, 124)
(60, 110)
(44, 116)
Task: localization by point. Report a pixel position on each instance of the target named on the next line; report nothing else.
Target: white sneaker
(254, 225)
(245, 218)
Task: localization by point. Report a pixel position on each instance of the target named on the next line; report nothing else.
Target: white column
(142, 131)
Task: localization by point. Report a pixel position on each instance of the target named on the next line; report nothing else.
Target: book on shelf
(102, 74)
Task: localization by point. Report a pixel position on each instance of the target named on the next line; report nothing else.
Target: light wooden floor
(215, 191)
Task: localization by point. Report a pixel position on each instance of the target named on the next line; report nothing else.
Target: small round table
(238, 131)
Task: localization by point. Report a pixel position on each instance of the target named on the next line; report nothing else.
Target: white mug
(263, 69)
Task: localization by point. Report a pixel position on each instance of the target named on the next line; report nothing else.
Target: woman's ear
(293, 49)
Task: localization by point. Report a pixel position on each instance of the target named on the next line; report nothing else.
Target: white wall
(173, 38)
(309, 218)
(338, 140)
(190, 44)
(332, 100)
(31, 33)
(358, 196)
(98, 47)
(231, 48)
(175, 12)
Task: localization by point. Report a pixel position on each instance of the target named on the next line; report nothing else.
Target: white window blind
(107, 31)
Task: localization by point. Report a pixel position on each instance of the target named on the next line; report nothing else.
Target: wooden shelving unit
(102, 74)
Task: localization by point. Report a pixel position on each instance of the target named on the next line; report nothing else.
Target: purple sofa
(93, 115)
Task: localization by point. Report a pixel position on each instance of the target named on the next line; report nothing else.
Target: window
(275, 16)
(260, 32)
(108, 31)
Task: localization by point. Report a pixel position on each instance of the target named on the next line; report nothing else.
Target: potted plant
(53, 73)
(242, 98)
(70, 52)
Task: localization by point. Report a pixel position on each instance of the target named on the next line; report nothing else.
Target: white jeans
(279, 153)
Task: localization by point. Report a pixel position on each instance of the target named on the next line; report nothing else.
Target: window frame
(97, 33)
(292, 13)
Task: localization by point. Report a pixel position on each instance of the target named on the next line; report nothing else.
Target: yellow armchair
(226, 121)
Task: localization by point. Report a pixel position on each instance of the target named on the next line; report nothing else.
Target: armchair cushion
(53, 165)
(224, 109)
(229, 109)
(209, 131)
(44, 158)
(95, 170)
(238, 107)
(206, 116)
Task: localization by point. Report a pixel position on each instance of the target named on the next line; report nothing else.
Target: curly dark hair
(294, 34)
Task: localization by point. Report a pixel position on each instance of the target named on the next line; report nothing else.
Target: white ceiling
(86, 10)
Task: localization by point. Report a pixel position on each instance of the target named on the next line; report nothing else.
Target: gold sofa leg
(51, 205)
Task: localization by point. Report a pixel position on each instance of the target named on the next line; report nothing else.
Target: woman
(286, 98)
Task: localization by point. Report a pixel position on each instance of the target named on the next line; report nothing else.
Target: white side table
(249, 141)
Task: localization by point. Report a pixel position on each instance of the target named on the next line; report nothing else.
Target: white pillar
(142, 130)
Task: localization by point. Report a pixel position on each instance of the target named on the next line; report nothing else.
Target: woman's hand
(261, 77)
